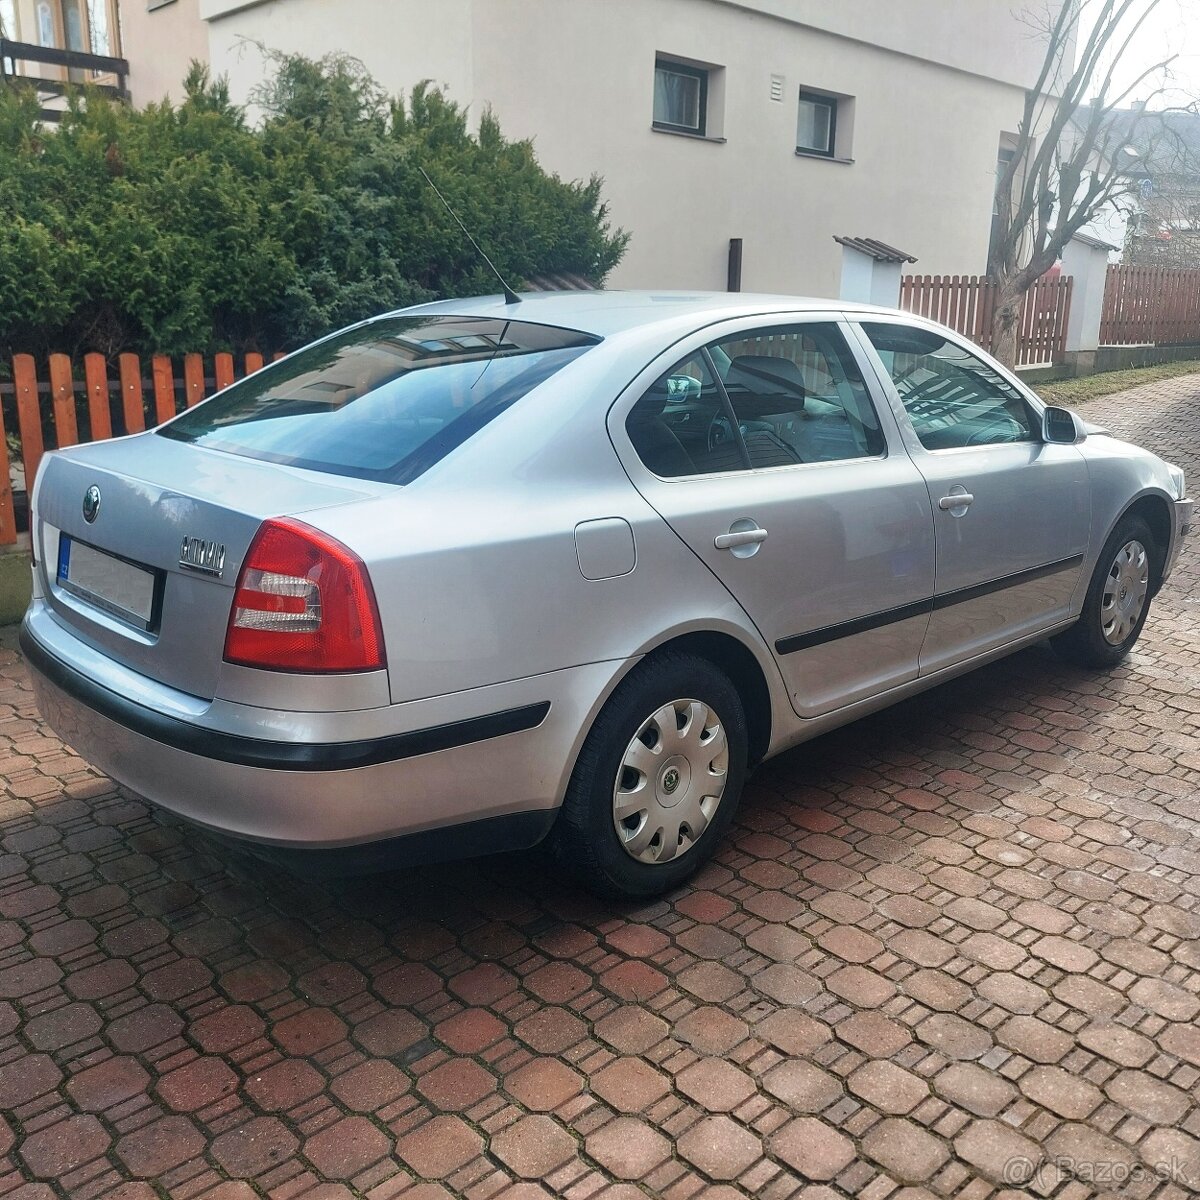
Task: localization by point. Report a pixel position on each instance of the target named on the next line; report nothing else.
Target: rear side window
(682, 425)
(775, 397)
(385, 400)
(798, 396)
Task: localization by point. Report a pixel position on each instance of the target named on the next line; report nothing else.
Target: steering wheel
(719, 431)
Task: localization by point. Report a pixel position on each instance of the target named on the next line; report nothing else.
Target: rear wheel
(657, 782)
(1117, 601)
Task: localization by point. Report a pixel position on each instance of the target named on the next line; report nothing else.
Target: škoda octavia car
(477, 574)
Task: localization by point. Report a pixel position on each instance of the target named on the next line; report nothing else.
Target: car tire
(614, 856)
(1113, 614)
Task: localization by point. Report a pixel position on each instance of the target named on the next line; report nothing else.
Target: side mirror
(1061, 427)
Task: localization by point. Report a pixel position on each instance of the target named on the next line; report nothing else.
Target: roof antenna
(510, 297)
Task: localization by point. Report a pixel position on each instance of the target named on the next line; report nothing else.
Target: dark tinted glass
(681, 425)
(952, 398)
(798, 396)
(385, 400)
(679, 96)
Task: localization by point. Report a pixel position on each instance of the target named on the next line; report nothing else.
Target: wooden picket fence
(51, 408)
(1146, 306)
(966, 303)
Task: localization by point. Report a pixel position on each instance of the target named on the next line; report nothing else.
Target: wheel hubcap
(670, 781)
(1126, 588)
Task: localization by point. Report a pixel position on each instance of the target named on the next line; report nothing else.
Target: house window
(45, 24)
(98, 27)
(73, 25)
(8, 29)
(816, 123)
(1001, 205)
(1003, 158)
(680, 97)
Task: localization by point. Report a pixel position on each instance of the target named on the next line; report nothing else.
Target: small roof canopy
(879, 251)
(1094, 243)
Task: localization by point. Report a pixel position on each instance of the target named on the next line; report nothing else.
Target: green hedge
(173, 229)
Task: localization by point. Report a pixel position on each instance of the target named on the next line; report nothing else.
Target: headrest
(764, 376)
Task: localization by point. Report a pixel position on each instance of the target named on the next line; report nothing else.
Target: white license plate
(112, 584)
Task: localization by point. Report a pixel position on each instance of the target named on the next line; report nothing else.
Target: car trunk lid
(182, 513)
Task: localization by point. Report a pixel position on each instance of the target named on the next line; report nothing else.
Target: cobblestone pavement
(944, 949)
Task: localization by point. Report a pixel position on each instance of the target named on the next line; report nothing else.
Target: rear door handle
(960, 500)
(740, 537)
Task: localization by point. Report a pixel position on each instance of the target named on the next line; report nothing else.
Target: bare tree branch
(1069, 159)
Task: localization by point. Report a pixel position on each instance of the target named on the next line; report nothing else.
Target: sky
(1173, 27)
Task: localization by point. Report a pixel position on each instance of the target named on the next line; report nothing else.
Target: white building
(784, 123)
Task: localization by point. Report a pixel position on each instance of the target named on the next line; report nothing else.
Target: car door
(1011, 512)
(764, 451)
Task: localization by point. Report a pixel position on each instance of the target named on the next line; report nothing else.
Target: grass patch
(15, 586)
(1089, 387)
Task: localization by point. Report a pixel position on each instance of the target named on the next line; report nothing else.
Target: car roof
(604, 313)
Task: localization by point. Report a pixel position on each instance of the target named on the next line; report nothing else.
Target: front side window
(775, 397)
(816, 123)
(952, 397)
(680, 97)
(385, 400)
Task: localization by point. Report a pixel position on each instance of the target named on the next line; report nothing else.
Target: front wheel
(657, 781)
(1117, 601)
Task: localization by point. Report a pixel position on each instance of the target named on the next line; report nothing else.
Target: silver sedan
(478, 574)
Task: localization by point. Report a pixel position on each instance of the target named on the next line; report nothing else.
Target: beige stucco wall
(998, 40)
(924, 140)
(399, 41)
(174, 35)
(934, 83)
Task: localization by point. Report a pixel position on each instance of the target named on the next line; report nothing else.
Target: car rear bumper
(502, 770)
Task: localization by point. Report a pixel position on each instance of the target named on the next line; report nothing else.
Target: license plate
(107, 582)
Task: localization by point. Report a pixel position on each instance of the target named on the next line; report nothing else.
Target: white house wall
(929, 103)
(399, 41)
(924, 140)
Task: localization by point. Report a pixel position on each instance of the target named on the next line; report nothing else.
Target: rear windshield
(385, 400)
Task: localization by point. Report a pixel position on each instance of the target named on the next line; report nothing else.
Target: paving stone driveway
(944, 949)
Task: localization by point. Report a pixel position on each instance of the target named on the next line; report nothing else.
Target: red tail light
(304, 603)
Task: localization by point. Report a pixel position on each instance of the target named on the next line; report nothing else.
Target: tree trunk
(1006, 321)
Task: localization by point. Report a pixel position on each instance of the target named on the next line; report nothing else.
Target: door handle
(740, 537)
(960, 500)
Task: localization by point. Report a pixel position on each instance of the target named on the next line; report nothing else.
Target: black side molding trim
(946, 599)
(832, 633)
(262, 752)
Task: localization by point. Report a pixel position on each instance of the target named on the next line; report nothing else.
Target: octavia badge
(208, 558)
(91, 504)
